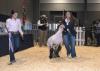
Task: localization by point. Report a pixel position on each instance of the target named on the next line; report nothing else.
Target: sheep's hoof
(50, 57)
(58, 56)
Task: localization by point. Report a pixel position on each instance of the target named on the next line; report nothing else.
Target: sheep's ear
(63, 26)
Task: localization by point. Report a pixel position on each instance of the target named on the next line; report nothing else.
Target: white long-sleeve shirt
(14, 25)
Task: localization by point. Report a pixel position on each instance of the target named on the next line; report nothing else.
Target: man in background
(42, 26)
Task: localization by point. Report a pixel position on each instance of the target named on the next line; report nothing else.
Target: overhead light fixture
(61, 1)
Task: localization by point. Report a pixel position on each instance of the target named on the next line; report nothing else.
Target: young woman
(69, 34)
(13, 25)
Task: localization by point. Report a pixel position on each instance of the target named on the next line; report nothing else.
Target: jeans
(14, 38)
(69, 41)
(15, 41)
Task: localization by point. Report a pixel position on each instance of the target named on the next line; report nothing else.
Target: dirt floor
(36, 59)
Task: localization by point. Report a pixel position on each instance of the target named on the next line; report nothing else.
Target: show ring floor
(36, 59)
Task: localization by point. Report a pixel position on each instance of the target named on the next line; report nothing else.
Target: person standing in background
(27, 25)
(69, 34)
(13, 25)
(42, 26)
(97, 33)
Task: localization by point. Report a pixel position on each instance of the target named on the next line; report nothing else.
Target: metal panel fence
(80, 36)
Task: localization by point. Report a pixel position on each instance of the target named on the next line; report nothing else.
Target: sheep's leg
(58, 50)
(51, 53)
(55, 51)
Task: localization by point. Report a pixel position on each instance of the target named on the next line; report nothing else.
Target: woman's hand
(22, 36)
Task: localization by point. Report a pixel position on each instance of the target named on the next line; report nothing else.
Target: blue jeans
(15, 41)
(69, 41)
(15, 45)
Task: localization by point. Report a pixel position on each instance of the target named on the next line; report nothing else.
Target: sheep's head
(61, 27)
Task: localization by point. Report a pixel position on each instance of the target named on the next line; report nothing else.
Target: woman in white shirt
(13, 25)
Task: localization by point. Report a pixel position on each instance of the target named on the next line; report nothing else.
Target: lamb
(55, 41)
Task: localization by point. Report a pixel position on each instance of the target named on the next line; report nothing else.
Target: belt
(14, 32)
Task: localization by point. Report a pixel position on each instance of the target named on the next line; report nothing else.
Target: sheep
(55, 41)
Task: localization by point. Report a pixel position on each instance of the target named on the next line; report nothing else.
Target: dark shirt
(70, 26)
(43, 27)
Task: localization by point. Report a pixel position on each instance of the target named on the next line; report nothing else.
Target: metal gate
(80, 36)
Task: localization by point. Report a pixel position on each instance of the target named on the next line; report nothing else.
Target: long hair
(71, 18)
(12, 12)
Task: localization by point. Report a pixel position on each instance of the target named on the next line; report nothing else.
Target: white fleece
(56, 39)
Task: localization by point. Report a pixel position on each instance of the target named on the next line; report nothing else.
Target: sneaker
(69, 56)
(11, 62)
(74, 56)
